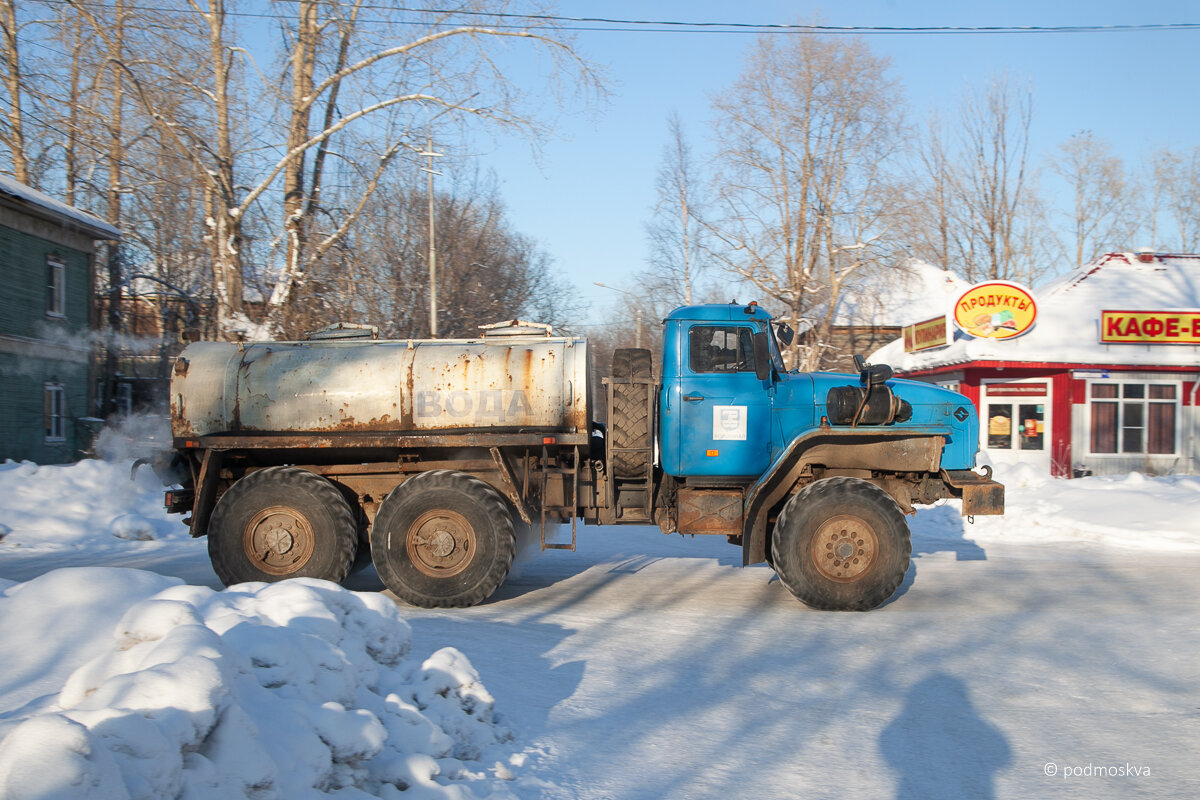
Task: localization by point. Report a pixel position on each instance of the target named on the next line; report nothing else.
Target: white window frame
(986, 399)
(1120, 401)
(56, 287)
(54, 400)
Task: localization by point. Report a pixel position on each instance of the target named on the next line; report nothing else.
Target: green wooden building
(47, 251)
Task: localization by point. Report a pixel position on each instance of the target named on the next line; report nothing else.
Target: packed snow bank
(83, 504)
(290, 690)
(1159, 513)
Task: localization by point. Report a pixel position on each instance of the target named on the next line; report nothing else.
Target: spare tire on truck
(629, 416)
(282, 522)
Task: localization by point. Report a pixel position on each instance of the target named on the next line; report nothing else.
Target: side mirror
(762, 356)
(784, 333)
(872, 374)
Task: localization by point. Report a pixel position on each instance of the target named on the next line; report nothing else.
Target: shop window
(1032, 426)
(1016, 426)
(56, 273)
(1133, 417)
(54, 396)
(1000, 426)
(720, 349)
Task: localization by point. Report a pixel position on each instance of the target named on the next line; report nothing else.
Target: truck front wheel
(442, 539)
(281, 522)
(841, 544)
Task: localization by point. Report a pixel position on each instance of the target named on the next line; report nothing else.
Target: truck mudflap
(980, 494)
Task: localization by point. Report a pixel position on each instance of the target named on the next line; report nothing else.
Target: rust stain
(406, 415)
(382, 424)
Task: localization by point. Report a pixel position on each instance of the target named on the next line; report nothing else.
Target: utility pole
(433, 326)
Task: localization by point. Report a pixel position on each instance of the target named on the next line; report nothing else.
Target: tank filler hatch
(516, 327)
(343, 330)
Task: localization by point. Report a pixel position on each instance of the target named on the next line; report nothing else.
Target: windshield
(776, 350)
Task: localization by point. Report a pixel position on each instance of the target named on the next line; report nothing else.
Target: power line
(622, 25)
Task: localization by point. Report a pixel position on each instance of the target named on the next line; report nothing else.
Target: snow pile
(81, 504)
(290, 690)
(1159, 513)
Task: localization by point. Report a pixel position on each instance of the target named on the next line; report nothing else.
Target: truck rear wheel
(442, 539)
(841, 544)
(282, 522)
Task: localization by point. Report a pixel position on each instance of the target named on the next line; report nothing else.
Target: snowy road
(650, 667)
(1053, 652)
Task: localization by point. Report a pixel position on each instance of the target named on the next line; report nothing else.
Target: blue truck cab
(721, 416)
(810, 472)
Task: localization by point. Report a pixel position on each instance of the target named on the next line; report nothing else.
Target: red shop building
(1105, 382)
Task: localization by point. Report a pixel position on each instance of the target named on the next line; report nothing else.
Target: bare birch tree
(366, 77)
(1176, 176)
(12, 128)
(1103, 214)
(974, 206)
(805, 134)
(993, 183)
(675, 233)
(487, 271)
(926, 219)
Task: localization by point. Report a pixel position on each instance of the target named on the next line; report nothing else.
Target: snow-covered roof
(56, 209)
(1067, 330)
(911, 292)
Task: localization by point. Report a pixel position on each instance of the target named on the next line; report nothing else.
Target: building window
(124, 398)
(723, 348)
(56, 278)
(55, 408)
(1133, 417)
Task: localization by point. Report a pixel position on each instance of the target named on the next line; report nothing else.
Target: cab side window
(720, 348)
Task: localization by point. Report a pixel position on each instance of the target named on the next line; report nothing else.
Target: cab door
(724, 409)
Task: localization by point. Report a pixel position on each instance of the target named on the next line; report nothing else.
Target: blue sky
(588, 196)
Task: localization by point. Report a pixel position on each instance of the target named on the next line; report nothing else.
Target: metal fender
(899, 450)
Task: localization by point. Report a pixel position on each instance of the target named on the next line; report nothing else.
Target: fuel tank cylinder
(516, 377)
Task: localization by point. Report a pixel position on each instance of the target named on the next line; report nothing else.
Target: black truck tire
(632, 362)
(282, 522)
(841, 544)
(442, 539)
(362, 527)
(629, 418)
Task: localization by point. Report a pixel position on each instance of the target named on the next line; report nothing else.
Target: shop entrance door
(1016, 423)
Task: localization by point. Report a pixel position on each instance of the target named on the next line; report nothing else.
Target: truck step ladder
(574, 470)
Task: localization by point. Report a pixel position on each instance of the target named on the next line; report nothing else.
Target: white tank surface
(517, 377)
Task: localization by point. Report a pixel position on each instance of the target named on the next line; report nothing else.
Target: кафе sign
(1150, 327)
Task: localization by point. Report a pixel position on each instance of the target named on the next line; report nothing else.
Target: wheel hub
(440, 543)
(844, 548)
(279, 540)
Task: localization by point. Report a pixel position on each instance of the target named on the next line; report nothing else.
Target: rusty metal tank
(517, 376)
